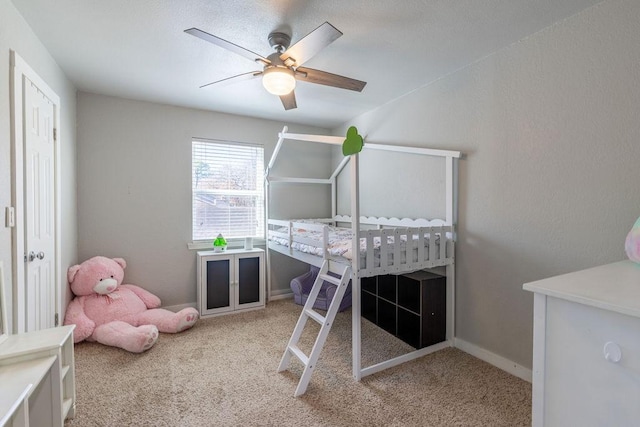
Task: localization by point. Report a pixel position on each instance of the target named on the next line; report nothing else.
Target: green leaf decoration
(354, 142)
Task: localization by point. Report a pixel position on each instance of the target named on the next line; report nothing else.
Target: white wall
(16, 35)
(550, 182)
(134, 191)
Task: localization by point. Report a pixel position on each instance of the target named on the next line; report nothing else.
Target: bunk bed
(384, 245)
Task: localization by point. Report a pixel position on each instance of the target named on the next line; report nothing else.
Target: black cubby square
(369, 284)
(409, 293)
(387, 316)
(409, 327)
(387, 287)
(369, 306)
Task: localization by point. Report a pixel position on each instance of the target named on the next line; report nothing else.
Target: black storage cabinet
(411, 306)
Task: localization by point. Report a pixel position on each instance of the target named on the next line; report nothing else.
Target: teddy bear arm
(149, 299)
(75, 315)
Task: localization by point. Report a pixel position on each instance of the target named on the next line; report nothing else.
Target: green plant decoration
(353, 143)
(220, 244)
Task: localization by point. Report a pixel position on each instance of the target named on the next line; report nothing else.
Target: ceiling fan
(282, 68)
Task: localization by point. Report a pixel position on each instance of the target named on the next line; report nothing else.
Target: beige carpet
(222, 372)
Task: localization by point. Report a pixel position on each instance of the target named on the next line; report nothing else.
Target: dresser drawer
(581, 387)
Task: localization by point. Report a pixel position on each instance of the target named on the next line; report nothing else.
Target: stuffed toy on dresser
(116, 314)
(632, 242)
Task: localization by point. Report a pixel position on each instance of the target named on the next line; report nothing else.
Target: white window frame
(231, 241)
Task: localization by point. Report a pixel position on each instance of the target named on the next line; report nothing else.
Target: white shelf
(18, 381)
(25, 361)
(66, 406)
(12, 399)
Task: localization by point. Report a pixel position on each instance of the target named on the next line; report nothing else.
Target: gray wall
(394, 184)
(549, 184)
(16, 35)
(134, 187)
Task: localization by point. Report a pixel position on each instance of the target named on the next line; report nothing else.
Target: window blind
(227, 189)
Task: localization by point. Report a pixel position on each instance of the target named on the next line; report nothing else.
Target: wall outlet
(10, 217)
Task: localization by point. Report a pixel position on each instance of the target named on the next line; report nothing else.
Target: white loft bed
(313, 241)
(425, 243)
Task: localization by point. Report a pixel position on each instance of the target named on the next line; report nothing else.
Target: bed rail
(385, 249)
(419, 248)
(286, 230)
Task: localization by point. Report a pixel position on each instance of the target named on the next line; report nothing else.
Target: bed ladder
(310, 361)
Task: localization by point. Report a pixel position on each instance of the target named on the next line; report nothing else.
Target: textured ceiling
(138, 49)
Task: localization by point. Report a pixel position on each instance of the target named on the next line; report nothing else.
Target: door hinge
(55, 134)
(9, 217)
(56, 321)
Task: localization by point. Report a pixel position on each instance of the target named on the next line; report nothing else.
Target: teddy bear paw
(151, 336)
(188, 320)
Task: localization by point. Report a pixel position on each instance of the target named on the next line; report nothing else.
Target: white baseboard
(281, 294)
(176, 308)
(493, 359)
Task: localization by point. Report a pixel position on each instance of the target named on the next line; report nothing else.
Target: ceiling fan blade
(310, 44)
(227, 45)
(233, 79)
(289, 101)
(323, 78)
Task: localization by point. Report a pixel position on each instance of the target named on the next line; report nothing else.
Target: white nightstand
(230, 281)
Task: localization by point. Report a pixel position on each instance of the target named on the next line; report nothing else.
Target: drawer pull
(612, 352)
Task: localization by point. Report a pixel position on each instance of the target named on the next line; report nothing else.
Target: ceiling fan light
(278, 80)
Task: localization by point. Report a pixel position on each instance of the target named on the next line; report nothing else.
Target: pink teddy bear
(125, 316)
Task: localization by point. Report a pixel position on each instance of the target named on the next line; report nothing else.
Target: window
(227, 189)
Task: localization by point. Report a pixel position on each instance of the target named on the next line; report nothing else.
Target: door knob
(32, 255)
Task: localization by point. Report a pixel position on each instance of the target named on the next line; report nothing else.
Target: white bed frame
(420, 233)
(375, 227)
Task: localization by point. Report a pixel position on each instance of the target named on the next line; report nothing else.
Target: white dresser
(586, 347)
(37, 378)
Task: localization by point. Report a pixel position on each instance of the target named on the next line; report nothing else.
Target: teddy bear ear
(122, 262)
(71, 273)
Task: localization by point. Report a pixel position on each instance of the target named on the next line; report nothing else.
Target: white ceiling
(137, 49)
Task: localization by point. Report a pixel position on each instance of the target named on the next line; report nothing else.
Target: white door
(39, 208)
(35, 196)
